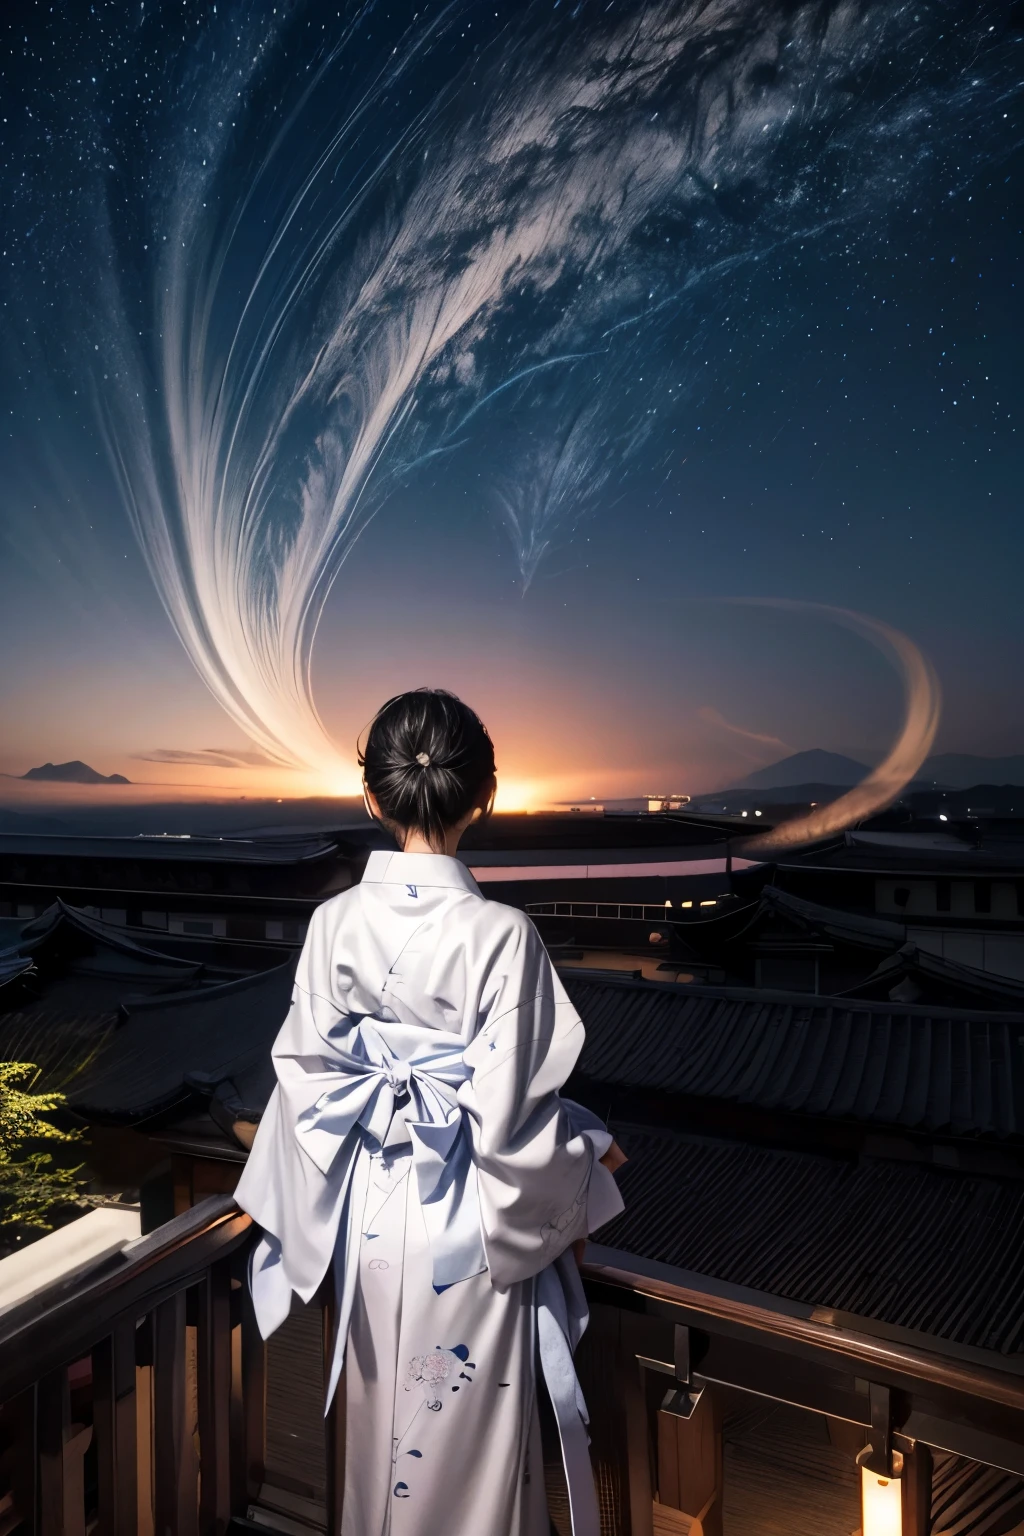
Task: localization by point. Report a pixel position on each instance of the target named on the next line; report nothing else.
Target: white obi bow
(378, 1087)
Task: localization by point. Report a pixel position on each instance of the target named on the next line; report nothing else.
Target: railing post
(690, 1463)
(115, 1429)
(619, 1424)
(917, 1490)
(214, 1368)
(638, 1434)
(174, 1480)
(248, 1417)
(23, 1458)
(144, 1426)
(62, 1446)
(254, 1384)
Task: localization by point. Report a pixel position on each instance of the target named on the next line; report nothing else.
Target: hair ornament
(423, 758)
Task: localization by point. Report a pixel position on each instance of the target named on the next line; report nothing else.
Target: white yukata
(417, 1139)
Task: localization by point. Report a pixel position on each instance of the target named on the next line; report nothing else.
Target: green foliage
(32, 1185)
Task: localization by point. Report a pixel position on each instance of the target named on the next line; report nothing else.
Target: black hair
(426, 758)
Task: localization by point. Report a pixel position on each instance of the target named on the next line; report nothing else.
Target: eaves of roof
(911, 960)
(43, 928)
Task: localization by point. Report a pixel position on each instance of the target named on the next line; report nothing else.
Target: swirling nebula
(353, 270)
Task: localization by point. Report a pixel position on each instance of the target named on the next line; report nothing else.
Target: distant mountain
(961, 770)
(16, 821)
(947, 770)
(815, 767)
(73, 773)
(736, 800)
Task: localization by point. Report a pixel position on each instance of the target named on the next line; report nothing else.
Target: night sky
(348, 349)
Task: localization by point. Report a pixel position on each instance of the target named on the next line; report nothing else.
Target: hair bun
(426, 729)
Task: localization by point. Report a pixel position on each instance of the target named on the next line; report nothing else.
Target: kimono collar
(426, 869)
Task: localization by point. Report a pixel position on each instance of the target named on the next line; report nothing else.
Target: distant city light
(943, 816)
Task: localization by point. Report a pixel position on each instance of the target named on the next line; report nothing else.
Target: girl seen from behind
(417, 1146)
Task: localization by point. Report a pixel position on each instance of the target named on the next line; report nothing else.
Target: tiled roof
(956, 1072)
(912, 1247)
(174, 1046)
(60, 919)
(60, 1043)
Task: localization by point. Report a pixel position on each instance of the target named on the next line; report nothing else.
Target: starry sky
(351, 348)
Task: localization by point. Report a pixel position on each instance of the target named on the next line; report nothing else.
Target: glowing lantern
(881, 1504)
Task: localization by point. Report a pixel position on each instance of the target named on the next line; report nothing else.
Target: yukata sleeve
(286, 1192)
(536, 1154)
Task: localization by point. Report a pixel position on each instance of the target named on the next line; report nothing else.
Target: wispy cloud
(714, 717)
(208, 757)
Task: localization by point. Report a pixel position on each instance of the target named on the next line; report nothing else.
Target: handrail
(67, 1318)
(861, 1349)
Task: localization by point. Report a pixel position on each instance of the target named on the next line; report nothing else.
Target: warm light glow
(345, 786)
(518, 795)
(881, 1504)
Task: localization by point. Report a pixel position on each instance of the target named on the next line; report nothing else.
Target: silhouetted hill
(73, 773)
(807, 768)
(961, 770)
(18, 821)
(770, 800)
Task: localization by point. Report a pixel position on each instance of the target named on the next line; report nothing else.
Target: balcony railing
(132, 1396)
(138, 1400)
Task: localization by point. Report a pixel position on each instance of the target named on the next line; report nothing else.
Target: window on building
(197, 926)
(293, 931)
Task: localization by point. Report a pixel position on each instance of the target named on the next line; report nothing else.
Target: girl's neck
(415, 842)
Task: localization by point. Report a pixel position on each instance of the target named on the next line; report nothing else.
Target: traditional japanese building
(813, 1300)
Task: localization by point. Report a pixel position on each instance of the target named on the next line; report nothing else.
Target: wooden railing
(132, 1396)
(659, 1355)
